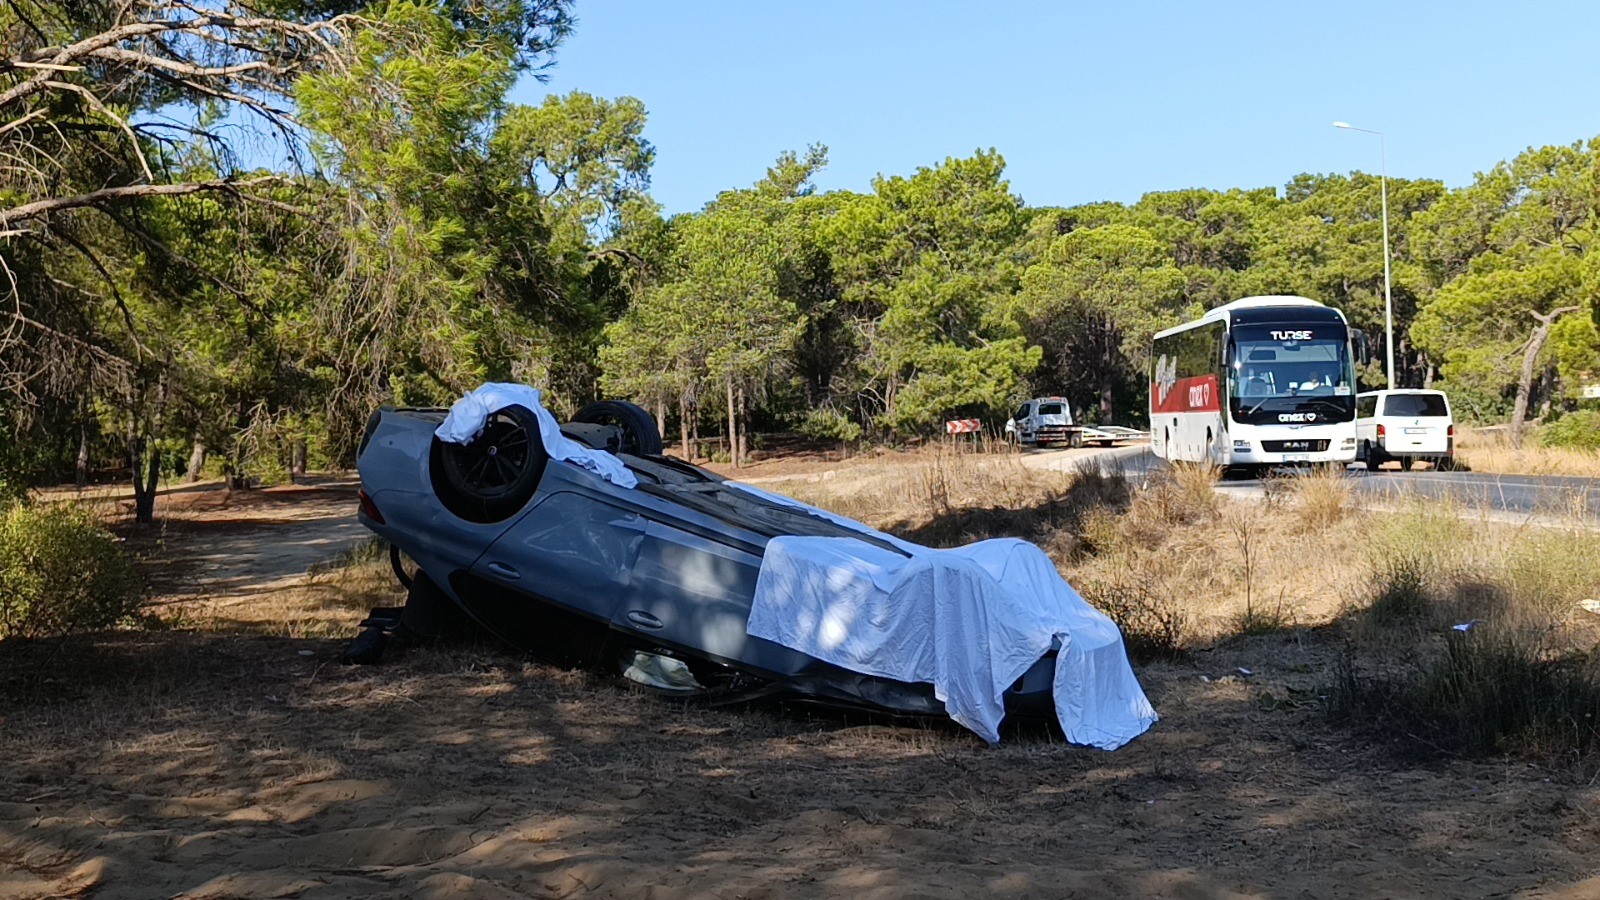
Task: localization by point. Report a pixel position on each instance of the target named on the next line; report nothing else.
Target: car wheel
(1445, 463)
(1405, 463)
(494, 475)
(640, 434)
(1075, 439)
(1370, 454)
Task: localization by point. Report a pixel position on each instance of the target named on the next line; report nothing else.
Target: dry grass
(323, 603)
(1490, 451)
(1471, 639)
(1323, 498)
(915, 489)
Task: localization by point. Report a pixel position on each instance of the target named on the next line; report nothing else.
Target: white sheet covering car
(969, 620)
(1405, 426)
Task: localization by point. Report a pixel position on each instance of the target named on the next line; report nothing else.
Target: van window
(1366, 406)
(1049, 409)
(1419, 405)
(1021, 413)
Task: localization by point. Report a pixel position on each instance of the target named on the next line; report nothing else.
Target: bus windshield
(1283, 373)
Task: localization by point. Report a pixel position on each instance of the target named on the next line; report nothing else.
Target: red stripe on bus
(1199, 393)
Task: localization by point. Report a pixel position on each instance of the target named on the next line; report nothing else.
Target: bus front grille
(1304, 446)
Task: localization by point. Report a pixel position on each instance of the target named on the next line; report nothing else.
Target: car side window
(1366, 407)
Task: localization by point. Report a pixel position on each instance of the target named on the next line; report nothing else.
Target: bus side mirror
(1362, 348)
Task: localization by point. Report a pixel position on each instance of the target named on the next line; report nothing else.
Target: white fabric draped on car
(969, 621)
(468, 414)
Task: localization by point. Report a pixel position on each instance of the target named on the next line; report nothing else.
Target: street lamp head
(1341, 124)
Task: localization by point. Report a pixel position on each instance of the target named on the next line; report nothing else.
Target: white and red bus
(1259, 382)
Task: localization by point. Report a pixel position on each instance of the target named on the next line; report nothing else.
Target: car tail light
(370, 509)
(1380, 434)
(1450, 432)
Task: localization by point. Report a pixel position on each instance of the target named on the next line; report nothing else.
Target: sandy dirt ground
(217, 761)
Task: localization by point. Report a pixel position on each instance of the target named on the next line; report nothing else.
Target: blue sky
(1087, 101)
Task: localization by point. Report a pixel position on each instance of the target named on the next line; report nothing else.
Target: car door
(1366, 421)
(693, 592)
(558, 574)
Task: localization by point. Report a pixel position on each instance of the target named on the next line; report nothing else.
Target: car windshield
(1290, 369)
(1049, 409)
(1417, 405)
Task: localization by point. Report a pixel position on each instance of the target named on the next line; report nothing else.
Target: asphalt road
(1554, 495)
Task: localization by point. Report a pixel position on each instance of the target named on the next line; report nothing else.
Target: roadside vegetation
(1568, 446)
(1458, 634)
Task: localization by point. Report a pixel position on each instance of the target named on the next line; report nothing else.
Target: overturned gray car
(583, 544)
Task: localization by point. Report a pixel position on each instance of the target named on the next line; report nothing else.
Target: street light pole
(1388, 297)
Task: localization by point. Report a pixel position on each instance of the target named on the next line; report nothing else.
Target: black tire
(1405, 463)
(640, 434)
(401, 575)
(494, 475)
(1445, 464)
(1370, 454)
(1075, 439)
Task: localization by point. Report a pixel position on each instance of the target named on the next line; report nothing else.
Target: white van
(1405, 426)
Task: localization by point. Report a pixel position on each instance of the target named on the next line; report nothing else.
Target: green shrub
(61, 572)
(1401, 594)
(1152, 624)
(826, 422)
(1578, 430)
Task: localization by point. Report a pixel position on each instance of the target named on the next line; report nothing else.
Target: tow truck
(1044, 421)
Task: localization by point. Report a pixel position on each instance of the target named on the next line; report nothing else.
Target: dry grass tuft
(1490, 451)
(1153, 621)
(1322, 497)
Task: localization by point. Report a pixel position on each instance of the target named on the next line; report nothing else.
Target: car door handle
(503, 570)
(644, 620)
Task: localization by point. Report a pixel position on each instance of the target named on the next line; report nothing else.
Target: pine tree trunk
(146, 455)
(81, 470)
(683, 425)
(744, 428)
(733, 427)
(197, 460)
(1530, 358)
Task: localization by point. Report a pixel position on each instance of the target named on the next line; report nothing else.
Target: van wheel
(1370, 454)
(1405, 463)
